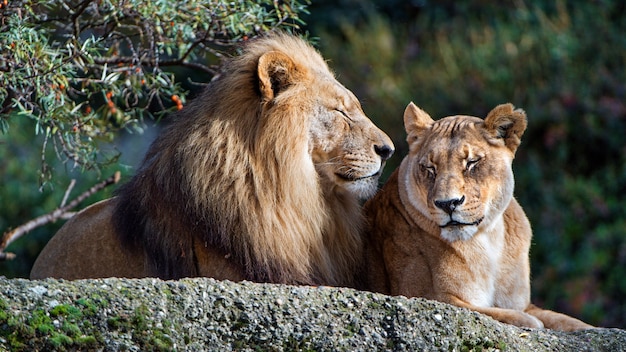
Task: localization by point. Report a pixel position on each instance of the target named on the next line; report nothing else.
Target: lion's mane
(232, 173)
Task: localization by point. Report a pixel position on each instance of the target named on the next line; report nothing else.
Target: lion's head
(267, 167)
(458, 173)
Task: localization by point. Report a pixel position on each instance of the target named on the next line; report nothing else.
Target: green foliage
(561, 62)
(85, 70)
(21, 199)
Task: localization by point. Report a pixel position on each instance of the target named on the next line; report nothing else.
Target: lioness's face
(467, 181)
(348, 150)
(458, 173)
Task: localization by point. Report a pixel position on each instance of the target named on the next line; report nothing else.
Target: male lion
(259, 178)
(446, 226)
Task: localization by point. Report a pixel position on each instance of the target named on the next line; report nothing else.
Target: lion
(262, 177)
(446, 227)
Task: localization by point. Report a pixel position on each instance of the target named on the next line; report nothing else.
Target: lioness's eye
(428, 170)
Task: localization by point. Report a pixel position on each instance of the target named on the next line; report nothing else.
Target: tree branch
(62, 212)
(67, 192)
(150, 62)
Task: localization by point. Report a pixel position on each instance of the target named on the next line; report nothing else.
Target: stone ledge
(205, 314)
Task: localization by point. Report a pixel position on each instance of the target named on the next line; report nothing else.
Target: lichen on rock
(205, 314)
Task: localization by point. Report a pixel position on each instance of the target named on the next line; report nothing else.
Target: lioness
(446, 226)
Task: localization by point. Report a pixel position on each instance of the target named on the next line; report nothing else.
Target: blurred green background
(563, 62)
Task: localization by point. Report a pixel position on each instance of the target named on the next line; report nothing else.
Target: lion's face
(458, 173)
(348, 150)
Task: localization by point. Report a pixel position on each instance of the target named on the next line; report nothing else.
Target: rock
(205, 314)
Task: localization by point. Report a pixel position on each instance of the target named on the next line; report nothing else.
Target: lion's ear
(416, 120)
(507, 123)
(276, 71)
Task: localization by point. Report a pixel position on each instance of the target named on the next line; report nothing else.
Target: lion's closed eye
(343, 113)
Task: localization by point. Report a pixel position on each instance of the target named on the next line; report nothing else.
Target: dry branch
(63, 212)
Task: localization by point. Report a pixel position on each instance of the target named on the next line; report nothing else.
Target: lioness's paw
(528, 321)
(518, 318)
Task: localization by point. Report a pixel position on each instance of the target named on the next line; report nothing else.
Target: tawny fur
(259, 178)
(446, 226)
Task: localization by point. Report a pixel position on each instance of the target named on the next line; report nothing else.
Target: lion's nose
(385, 151)
(449, 205)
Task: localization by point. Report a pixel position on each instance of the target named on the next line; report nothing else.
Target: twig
(62, 212)
(67, 192)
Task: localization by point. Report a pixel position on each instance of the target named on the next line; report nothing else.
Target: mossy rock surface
(205, 314)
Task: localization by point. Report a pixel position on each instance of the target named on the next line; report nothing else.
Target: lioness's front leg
(508, 316)
(557, 321)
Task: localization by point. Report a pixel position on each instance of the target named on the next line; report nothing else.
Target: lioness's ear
(415, 121)
(276, 71)
(506, 123)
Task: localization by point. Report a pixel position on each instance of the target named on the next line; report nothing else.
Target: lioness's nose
(449, 205)
(385, 151)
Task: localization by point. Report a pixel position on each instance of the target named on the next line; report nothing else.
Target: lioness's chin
(458, 233)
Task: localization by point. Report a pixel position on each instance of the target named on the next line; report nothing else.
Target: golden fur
(446, 226)
(259, 178)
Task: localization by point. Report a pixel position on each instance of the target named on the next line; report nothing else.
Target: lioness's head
(458, 172)
(346, 148)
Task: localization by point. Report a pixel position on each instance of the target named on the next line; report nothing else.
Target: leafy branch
(62, 212)
(84, 70)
